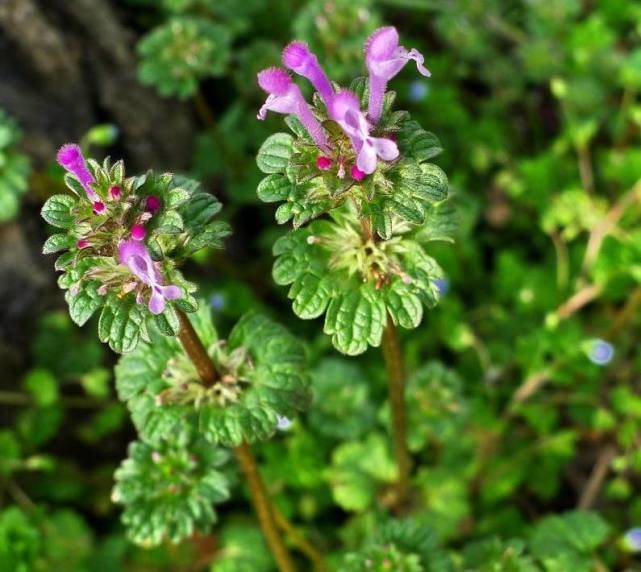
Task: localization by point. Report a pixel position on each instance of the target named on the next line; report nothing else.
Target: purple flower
(298, 58)
(135, 256)
(632, 540)
(600, 352)
(324, 163)
(384, 59)
(285, 97)
(138, 232)
(346, 112)
(357, 174)
(152, 203)
(217, 301)
(71, 159)
(442, 285)
(283, 423)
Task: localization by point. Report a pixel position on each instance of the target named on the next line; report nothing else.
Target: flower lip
(296, 54)
(275, 80)
(382, 43)
(70, 155)
(134, 255)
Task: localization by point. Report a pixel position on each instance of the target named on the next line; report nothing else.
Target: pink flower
(138, 232)
(82, 243)
(346, 112)
(99, 207)
(323, 163)
(385, 58)
(152, 203)
(135, 256)
(285, 97)
(115, 192)
(70, 157)
(357, 174)
(298, 58)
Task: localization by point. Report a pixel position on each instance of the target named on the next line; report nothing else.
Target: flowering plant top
(364, 168)
(348, 143)
(122, 240)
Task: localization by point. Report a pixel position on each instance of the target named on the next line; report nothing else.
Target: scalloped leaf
(57, 211)
(273, 155)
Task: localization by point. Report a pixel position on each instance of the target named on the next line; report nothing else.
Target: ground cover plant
(426, 362)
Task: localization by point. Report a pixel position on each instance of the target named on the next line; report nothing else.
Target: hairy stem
(197, 353)
(396, 383)
(264, 508)
(299, 540)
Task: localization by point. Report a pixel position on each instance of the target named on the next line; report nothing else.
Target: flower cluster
(123, 239)
(365, 168)
(384, 58)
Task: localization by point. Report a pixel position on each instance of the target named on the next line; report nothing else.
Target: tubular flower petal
(346, 112)
(298, 58)
(285, 97)
(385, 58)
(71, 159)
(135, 256)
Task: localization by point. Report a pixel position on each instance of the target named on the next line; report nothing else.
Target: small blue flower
(599, 351)
(442, 284)
(217, 301)
(283, 423)
(632, 540)
(418, 91)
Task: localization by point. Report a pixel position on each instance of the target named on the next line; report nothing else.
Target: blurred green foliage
(513, 422)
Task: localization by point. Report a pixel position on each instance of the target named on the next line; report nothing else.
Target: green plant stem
(396, 383)
(264, 508)
(299, 540)
(265, 511)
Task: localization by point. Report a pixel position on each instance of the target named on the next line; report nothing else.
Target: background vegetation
(525, 413)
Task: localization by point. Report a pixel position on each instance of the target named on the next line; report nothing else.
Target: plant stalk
(396, 383)
(264, 509)
(197, 353)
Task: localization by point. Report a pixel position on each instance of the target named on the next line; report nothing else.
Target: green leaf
(358, 469)
(57, 242)
(125, 326)
(273, 155)
(169, 490)
(167, 322)
(274, 188)
(580, 531)
(404, 307)
(83, 304)
(43, 387)
(57, 211)
(311, 294)
(355, 318)
(416, 143)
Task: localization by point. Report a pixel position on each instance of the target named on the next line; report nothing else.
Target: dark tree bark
(66, 65)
